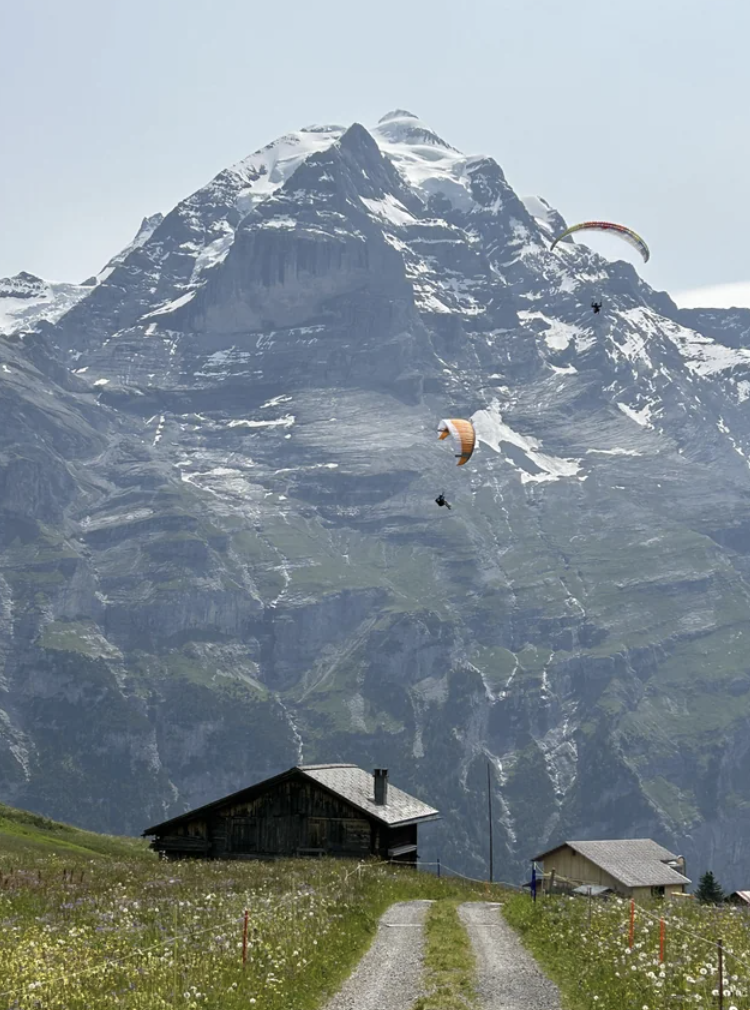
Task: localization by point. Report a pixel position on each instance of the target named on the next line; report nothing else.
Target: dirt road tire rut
(508, 977)
(389, 976)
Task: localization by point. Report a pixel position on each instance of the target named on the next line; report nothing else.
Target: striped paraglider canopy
(627, 233)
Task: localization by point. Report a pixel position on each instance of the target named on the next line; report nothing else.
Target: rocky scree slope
(221, 555)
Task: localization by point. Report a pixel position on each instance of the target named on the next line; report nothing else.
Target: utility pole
(489, 804)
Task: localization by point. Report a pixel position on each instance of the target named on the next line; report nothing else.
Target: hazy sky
(635, 111)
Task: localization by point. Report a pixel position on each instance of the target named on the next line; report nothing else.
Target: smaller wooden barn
(633, 867)
(331, 809)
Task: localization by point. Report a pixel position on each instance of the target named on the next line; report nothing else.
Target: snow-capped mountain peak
(25, 299)
(196, 236)
(266, 170)
(396, 114)
(429, 164)
(400, 127)
(22, 285)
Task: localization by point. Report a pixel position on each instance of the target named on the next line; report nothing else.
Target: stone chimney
(380, 776)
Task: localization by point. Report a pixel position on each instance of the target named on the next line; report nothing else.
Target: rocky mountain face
(220, 553)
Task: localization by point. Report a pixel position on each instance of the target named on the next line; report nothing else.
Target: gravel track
(508, 977)
(389, 976)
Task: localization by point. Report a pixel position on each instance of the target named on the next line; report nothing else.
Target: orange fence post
(244, 939)
(661, 939)
(632, 923)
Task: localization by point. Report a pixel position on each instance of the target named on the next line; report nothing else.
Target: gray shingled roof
(351, 783)
(634, 862)
(357, 787)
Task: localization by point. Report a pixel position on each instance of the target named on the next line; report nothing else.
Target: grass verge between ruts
(449, 961)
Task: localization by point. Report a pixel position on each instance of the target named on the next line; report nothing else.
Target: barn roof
(352, 784)
(634, 862)
(355, 785)
(741, 896)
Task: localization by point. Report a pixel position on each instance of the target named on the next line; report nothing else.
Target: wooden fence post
(661, 940)
(720, 945)
(632, 923)
(244, 938)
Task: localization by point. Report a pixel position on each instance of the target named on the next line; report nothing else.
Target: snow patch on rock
(641, 417)
(493, 431)
(282, 422)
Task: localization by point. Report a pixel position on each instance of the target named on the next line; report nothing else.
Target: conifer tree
(709, 890)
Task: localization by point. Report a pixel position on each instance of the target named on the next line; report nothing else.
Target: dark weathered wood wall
(294, 816)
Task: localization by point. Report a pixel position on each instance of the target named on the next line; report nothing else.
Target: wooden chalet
(332, 810)
(632, 867)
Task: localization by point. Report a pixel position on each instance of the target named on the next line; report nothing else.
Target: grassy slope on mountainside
(25, 834)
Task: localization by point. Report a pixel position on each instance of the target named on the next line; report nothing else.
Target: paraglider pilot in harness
(440, 500)
(596, 306)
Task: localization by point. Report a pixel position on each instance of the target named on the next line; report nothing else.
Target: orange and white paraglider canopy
(464, 436)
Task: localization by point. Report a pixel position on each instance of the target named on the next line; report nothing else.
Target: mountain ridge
(248, 562)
